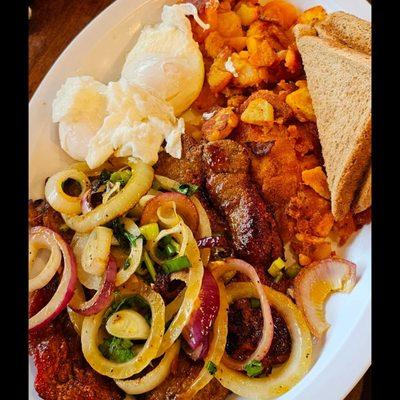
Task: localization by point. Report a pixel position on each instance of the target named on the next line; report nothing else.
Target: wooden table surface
(54, 23)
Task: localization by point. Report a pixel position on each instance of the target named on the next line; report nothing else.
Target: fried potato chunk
(248, 13)
(261, 53)
(229, 24)
(218, 77)
(258, 112)
(316, 179)
(281, 12)
(248, 74)
(220, 125)
(312, 15)
(300, 102)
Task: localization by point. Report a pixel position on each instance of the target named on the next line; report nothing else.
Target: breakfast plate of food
(200, 204)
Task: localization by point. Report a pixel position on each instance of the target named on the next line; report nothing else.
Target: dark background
(52, 26)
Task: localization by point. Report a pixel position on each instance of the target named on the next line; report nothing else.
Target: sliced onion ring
(155, 377)
(184, 206)
(139, 183)
(78, 243)
(197, 331)
(60, 200)
(191, 293)
(216, 349)
(103, 296)
(135, 254)
(92, 324)
(43, 239)
(314, 283)
(264, 344)
(77, 298)
(65, 289)
(97, 250)
(292, 371)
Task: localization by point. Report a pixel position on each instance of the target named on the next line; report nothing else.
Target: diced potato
(248, 74)
(312, 15)
(220, 125)
(280, 11)
(238, 43)
(248, 13)
(261, 53)
(218, 77)
(292, 60)
(214, 43)
(257, 29)
(300, 102)
(258, 112)
(229, 24)
(316, 179)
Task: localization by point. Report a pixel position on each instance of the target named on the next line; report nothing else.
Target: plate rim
(363, 324)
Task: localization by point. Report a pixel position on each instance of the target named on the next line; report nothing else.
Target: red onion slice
(65, 289)
(103, 296)
(197, 331)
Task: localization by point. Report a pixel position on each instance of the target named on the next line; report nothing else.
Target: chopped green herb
(167, 239)
(176, 264)
(117, 349)
(121, 176)
(255, 303)
(149, 265)
(187, 189)
(292, 270)
(125, 239)
(253, 368)
(104, 177)
(170, 250)
(211, 368)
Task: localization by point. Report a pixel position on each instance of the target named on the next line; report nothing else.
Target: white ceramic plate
(100, 50)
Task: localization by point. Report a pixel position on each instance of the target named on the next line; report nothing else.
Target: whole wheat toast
(347, 29)
(339, 82)
(355, 33)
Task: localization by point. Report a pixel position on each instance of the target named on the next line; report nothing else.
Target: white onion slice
(60, 200)
(43, 240)
(219, 269)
